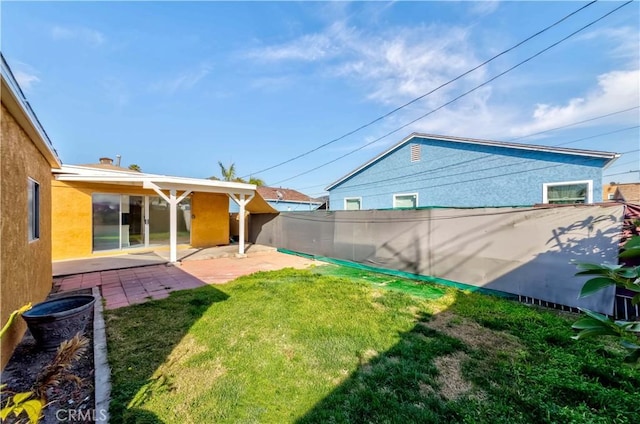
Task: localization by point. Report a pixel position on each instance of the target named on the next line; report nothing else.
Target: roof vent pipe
(118, 157)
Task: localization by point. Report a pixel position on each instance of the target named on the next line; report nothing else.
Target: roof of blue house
(607, 157)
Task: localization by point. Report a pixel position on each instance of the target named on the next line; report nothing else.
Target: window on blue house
(33, 209)
(352, 203)
(568, 192)
(405, 200)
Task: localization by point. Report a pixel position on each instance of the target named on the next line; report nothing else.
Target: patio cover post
(242, 202)
(173, 219)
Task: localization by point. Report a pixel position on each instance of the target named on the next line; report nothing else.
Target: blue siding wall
(281, 206)
(465, 175)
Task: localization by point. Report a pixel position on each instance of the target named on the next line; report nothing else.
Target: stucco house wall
(25, 270)
(464, 175)
(72, 216)
(210, 219)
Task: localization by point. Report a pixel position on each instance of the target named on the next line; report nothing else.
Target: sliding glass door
(106, 221)
(122, 221)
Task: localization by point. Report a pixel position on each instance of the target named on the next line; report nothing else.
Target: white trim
(404, 194)
(359, 199)
(589, 199)
(150, 181)
(33, 210)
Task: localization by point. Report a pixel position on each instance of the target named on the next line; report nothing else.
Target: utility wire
(597, 135)
(623, 163)
(386, 115)
(574, 123)
(620, 173)
(458, 97)
(560, 144)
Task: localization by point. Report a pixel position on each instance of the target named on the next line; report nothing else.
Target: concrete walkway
(144, 257)
(127, 286)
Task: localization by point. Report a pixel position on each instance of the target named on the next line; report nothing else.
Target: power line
(620, 173)
(386, 115)
(552, 145)
(458, 97)
(623, 163)
(574, 123)
(463, 169)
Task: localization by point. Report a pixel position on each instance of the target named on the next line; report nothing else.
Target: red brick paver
(124, 287)
(222, 270)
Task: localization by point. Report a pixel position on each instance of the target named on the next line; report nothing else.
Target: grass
(313, 347)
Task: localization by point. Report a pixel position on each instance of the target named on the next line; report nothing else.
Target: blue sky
(176, 87)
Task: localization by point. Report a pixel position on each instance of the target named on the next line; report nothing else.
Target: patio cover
(168, 187)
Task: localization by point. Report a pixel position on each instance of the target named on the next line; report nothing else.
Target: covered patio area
(97, 210)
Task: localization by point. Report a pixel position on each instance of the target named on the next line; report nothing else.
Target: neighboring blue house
(434, 170)
(284, 200)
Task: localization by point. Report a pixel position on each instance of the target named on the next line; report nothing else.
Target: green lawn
(311, 347)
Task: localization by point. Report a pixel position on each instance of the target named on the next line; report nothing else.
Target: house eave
(71, 173)
(14, 100)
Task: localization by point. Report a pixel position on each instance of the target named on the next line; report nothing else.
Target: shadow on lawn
(480, 360)
(146, 335)
(400, 385)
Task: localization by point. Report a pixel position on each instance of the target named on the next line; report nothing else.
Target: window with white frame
(33, 209)
(568, 192)
(407, 200)
(352, 203)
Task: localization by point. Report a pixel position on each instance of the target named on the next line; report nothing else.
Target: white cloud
(485, 7)
(624, 41)
(25, 79)
(89, 36)
(308, 48)
(616, 90)
(393, 66)
(184, 81)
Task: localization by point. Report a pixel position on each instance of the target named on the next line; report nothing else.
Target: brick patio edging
(102, 371)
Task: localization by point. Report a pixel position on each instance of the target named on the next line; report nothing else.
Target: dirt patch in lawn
(474, 335)
(452, 383)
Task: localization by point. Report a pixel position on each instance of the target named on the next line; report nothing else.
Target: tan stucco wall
(25, 267)
(210, 219)
(72, 215)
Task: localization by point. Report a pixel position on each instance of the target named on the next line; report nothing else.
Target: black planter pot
(57, 320)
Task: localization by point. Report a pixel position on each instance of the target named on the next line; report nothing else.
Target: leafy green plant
(607, 275)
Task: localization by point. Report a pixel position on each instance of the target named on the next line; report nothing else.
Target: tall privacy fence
(526, 252)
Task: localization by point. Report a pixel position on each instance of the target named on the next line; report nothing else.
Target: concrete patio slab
(129, 286)
(147, 257)
(96, 264)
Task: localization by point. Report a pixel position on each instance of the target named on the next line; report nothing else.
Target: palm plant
(228, 174)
